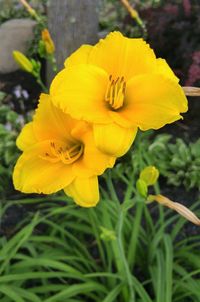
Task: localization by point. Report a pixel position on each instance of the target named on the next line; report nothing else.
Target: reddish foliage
(171, 9)
(194, 70)
(173, 31)
(187, 7)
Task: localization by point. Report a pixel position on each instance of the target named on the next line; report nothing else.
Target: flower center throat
(115, 93)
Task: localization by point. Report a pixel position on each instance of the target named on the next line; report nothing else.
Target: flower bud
(107, 235)
(22, 61)
(149, 175)
(142, 187)
(48, 42)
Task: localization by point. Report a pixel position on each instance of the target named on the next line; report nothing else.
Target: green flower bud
(107, 235)
(149, 175)
(142, 187)
(22, 61)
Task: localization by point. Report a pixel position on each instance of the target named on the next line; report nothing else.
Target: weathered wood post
(72, 23)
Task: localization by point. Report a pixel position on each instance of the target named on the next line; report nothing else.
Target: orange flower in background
(118, 85)
(59, 153)
(48, 42)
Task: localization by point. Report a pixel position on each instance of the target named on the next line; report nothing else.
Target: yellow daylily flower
(118, 85)
(59, 152)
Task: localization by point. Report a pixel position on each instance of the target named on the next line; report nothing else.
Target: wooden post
(72, 23)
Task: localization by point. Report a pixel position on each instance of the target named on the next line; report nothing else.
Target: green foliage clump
(177, 161)
(10, 125)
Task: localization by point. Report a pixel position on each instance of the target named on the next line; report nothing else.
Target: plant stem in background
(134, 14)
(31, 11)
(42, 85)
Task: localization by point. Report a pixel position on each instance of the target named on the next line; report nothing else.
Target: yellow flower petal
(113, 139)
(81, 169)
(84, 191)
(153, 101)
(27, 137)
(164, 69)
(80, 90)
(120, 120)
(121, 56)
(50, 122)
(93, 160)
(33, 174)
(80, 56)
(80, 129)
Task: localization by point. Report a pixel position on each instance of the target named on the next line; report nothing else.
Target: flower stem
(118, 246)
(127, 272)
(40, 82)
(135, 233)
(134, 14)
(161, 210)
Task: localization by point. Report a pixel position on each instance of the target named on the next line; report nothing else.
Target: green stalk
(112, 189)
(94, 224)
(117, 246)
(126, 269)
(39, 81)
(135, 233)
(160, 207)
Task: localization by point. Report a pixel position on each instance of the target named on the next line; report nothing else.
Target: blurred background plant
(45, 48)
(10, 125)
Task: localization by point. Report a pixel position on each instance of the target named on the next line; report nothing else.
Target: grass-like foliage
(118, 251)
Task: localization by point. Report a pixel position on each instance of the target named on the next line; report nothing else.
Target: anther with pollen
(115, 92)
(66, 155)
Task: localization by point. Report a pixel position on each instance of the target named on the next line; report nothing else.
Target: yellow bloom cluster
(91, 116)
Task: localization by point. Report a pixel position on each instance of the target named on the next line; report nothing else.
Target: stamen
(67, 156)
(115, 92)
(73, 154)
